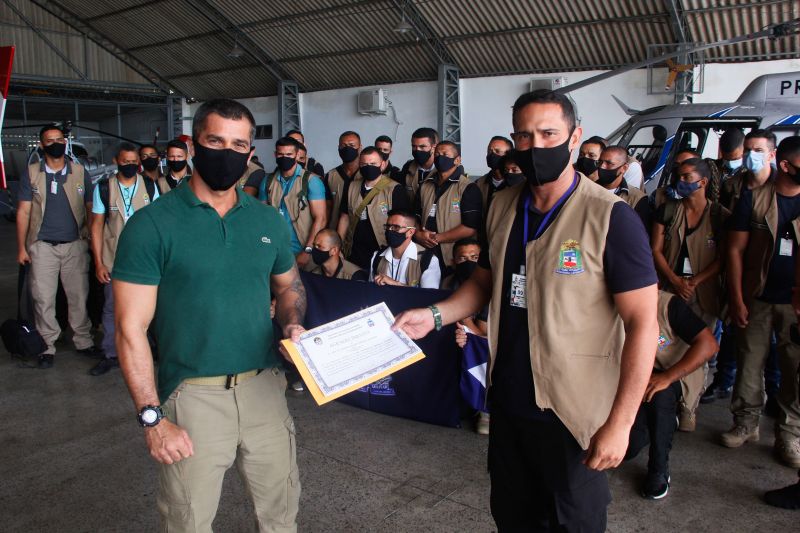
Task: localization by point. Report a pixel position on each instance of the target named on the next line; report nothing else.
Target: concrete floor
(73, 459)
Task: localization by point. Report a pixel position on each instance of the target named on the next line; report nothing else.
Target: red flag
(6, 60)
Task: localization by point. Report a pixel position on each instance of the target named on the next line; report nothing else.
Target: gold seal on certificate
(351, 352)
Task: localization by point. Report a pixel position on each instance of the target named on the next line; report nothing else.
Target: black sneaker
(715, 393)
(104, 366)
(45, 361)
(92, 351)
(656, 485)
(785, 498)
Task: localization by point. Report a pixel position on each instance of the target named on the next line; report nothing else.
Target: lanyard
(129, 204)
(547, 216)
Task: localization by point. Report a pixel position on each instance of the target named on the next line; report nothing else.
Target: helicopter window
(646, 146)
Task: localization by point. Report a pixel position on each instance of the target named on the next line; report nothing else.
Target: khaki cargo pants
(248, 424)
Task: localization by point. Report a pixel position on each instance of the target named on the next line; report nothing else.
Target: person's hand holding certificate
(351, 352)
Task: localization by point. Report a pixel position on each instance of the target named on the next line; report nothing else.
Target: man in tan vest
(151, 162)
(177, 166)
(448, 205)
(327, 255)
(336, 179)
(404, 263)
(365, 207)
(494, 180)
(384, 144)
(762, 251)
(124, 194)
(759, 152)
(253, 173)
(51, 236)
(685, 344)
(420, 167)
(610, 175)
(572, 329)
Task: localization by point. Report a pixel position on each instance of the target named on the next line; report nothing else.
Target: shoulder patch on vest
(663, 342)
(80, 190)
(570, 261)
(384, 206)
(455, 205)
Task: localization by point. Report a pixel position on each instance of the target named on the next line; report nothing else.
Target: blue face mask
(685, 189)
(733, 164)
(754, 161)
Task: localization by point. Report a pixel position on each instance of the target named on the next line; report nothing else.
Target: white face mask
(733, 164)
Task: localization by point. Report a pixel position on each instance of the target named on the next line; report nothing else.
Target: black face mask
(420, 156)
(585, 166)
(176, 166)
(444, 163)
(319, 256)
(128, 171)
(395, 239)
(150, 164)
(285, 163)
(543, 165)
(606, 176)
(385, 156)
(56, 150)
(514, 178)
(348, 154)
(464, 270)
(220, 169)
(493, 161)
(370, 172)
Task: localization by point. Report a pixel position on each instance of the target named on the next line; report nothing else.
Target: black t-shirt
(470, 205)
(628, 265)
(684, 322)
(645, 213)
(364, 242)
(780, 278)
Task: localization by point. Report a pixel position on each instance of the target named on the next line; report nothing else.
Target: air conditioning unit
(372, 102)
(551, 84)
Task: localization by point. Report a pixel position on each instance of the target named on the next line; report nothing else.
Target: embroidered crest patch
(80, 189)
(663, 342)
(146, 198)
(455, 205)
(384, 206)
(710, 242)
(570, 260)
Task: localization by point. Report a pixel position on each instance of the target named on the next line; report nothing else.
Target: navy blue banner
(428, 390)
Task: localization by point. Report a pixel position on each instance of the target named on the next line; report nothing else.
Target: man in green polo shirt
(219, 254)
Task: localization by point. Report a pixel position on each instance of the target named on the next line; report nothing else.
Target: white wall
(725, 82)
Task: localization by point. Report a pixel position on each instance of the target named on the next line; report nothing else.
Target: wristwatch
(150, 416)
(308, 249)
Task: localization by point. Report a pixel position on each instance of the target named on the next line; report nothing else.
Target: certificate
(351, 352)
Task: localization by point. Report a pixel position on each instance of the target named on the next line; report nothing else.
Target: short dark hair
(180, 145)
(616, 149)
(126, 147)
(694, 153)
(763, 134)
(295, 132)
(466, 241)
(506, 159)
(502, 139)
(426, 133)
(405, 213)
(349, 133)
(595, 140)
(731, 139)
(700, 166)
(153, 146)
(226, 108)
(371, 150)
(544, 96)
(45, 129)
(788, 148)
(451, 144)
(383, 139)
(301, 146)
(288, 141)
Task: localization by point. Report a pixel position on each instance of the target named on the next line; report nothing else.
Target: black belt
(56, 243)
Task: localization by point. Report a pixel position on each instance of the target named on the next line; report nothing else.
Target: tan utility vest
(576, 335)
(115, 216)
(411, 179)
(632, 196)
(76, 195)
(761, 243)
(732, 187)
(297, 207)
(346, 272)
(336, 183)
(377, 210)
(671, 349)
(448, 209)
(703, 247)
(251, 167)
(163, 183)
(413, 269)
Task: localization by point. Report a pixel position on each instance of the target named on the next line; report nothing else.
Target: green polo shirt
(213, 276)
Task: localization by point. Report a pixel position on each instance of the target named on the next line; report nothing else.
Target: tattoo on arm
(300, 300)
(291, 300)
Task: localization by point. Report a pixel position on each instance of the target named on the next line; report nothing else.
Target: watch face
(149, 416)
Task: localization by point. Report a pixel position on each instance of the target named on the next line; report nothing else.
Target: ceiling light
(236, 52)
(403, 26)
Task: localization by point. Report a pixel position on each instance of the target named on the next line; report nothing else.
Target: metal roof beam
(211, 71)
(762, 3)
(215, 16)
(124, 10)
(70, 18)
(438, 49)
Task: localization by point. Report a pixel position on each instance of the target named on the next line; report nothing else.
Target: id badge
(54, 187)
(363, 215)
(517, 297)
(432, 212)
(687, 267)
(785, 247)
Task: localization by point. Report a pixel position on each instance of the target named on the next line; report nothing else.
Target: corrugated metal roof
(326, 44)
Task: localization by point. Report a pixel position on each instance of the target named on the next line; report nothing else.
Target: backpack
(105, 195)
(302, 199)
